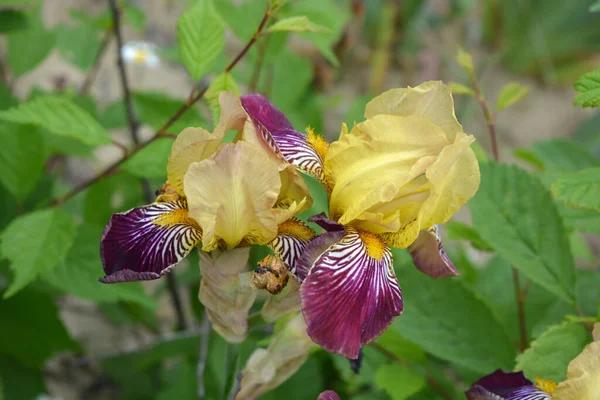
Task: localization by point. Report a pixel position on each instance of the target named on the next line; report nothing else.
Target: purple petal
(313, 250)
(528, 393)
(328, 395)
(351, 294)
(146, 242)
(324, 222)
(292, 237)
(279, 134)
(497, 385)
(429, 256)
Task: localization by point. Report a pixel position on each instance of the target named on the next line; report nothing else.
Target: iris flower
(217, 197)
(500, 385)
(391, 180)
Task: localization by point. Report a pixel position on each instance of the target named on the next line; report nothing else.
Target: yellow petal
(370, 166)
(226, 293)
(432, 100)
(191, 145)
(293, 196)
(583, 374)
(231, 195)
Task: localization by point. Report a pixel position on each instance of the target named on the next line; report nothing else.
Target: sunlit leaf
(200, 31)
(296, 24)
(515, 214)
(588, 86)
(61, 117)
(221, 83)
(551, 353)
(459, 88)
(457, 230)
(465, 60)
(579, 189)
(31, 254)
(399, 381)
(150, 162)
(79, 45)
(511, 94)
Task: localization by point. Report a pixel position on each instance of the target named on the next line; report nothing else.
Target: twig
(202, 355)
(90, 78)
(520, 294)
(431, 381)
(4, 75)
(133, 130)
(163, 130)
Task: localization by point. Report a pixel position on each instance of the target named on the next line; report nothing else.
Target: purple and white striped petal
(429, 256)
(328, 395)
(146, 242)
(501, 385)
(351, 294)
(280, 136)
(292, 237)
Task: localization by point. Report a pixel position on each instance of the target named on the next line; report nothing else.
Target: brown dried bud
(167, 193)
(270, 274)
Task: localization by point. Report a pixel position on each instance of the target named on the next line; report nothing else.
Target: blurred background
(102, 343)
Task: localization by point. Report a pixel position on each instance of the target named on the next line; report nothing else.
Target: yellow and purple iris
(501, 385)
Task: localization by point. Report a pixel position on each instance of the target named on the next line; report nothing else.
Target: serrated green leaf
(465, 60)
(78, 274)
(399, 381)
(296, 24)
(29, 47)
(111, 195)
(563, 155)
(31, 254)
(551, 353)
(22, 158)
(59, 116)
(459, 231)
(222, 83)
(588, 85)
(528, 156)
(511, 94)
(515, 214)
(151, 162)
(579, 189)
(474, 340)
(26, 316)
(458, 88)
(242, 17)
(393, 341)
(79, 45)
(201, 35)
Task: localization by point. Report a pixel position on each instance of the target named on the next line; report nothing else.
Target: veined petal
(146, 242)
(431, 100)
(292, 237)
(276, 132)
(226, 292)
(528, 393)
(232, 195)
(351, 294)
(268, 368)
(501, 385)
(328, 395)
(318, 245)
(429, 256)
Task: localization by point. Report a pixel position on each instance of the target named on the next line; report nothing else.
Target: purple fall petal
(328, 395)
(350, 297)
(292, 238)
(324, 222)
(501, 385)
(279, 134)
(146, 242)
(313, 250)
(429, 256)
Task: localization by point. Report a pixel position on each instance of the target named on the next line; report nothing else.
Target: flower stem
(491, 123)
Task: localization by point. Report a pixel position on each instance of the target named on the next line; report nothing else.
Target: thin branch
(519, 293)
(163, 130)
(90, 78)
(4, 75)
(431, 381)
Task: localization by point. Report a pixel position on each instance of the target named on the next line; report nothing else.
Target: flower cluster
(391, 180)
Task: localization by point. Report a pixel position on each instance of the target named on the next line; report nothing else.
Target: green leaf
(563, 155)
(588, 86)
(528, 156)
(30, 254)
(151, 162)
(134, 16)
(29, 47)
(296, 24)
(78, 274)
(22, 158)
(595, 7)
(14, 374)
(399, 381)
(515, 214)
(12, 20)
(579, 189)
(511, 94)
(458, 88)
(371, 361)
(200, 31)
(436, 318)
(179, 382)
(242, 17)
(111, 195)
(465, 60)
(154, 109)
(459, 231)
(24, 318)
(79, 45)
(222, 82)
(61, 117)
(551, 353)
